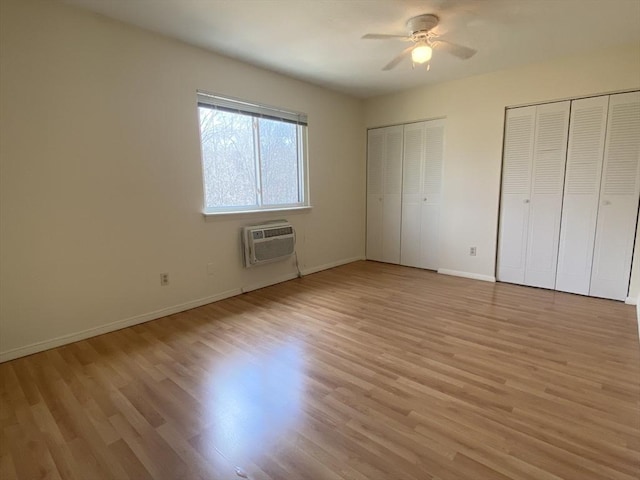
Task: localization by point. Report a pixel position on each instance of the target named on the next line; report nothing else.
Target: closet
(532, 180)
(404, 183)
(384, 189)
(570, 189)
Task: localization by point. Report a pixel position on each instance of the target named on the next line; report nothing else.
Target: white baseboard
(111, 327)
(268, 283)
(146, 317)
(475, 276)
(327, 266)
(631, 301)
(303, 272)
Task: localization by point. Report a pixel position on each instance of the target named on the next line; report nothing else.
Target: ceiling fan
(424, 41)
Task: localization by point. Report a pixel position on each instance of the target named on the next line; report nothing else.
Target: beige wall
(474, 108)
(101, 182)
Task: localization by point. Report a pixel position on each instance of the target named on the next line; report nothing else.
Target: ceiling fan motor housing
(422, 24)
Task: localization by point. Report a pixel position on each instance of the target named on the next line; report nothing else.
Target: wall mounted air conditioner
(268, 243)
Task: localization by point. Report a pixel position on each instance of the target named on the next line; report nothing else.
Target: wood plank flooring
(366, 371)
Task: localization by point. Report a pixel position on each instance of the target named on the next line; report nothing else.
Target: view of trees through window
(248, 161)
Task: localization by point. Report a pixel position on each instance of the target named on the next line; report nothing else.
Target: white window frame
(255, 110)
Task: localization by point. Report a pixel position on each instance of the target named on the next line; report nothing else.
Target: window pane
(227, 159)
(279, 162)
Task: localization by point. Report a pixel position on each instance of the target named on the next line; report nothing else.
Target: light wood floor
(367, 371)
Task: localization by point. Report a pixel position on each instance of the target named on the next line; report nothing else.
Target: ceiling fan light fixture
(421, 53)
(423, 40)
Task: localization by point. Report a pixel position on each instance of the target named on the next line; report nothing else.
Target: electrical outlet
(211, 269)
(164, 279)
(472, 251)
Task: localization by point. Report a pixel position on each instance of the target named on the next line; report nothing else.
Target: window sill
(253, 213)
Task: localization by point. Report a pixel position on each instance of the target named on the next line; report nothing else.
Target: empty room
(319, 239)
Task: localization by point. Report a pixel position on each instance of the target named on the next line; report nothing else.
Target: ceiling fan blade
(459, 51)
(384, 36)
(399, 58)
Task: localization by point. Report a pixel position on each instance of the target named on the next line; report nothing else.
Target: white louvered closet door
(619, 191)
(392, 198)
(581, 192)
(431, 194)
(375, 192)
(516, 187)
(412, 166)
(421, 193)
(547, 181)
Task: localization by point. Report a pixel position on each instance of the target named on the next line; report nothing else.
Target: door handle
(606, 202)
(526, 201)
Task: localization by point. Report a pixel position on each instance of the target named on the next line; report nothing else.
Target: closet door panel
(391, 223)
(581, 192)
(542, 249)
(619, 192)
(374, 227)
(514, 222)
(375, 191)
(411, 221)
(392, 203)
(430, 246)
(375, 161)
(432, 194)
(421, 193)
(614, 248)
(393, 160)
(577, 235)
(516, 187)
(412, 167)
(549, 156)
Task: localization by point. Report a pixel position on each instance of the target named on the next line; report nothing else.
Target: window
(253, 157)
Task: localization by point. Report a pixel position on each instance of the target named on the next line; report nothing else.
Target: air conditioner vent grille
(277, 248)
(276, 232)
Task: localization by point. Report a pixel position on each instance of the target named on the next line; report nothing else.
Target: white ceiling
(320, 40)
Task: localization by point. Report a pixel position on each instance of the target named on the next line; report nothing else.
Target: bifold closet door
(532, 184)
(375, 192)
(432, 194)
(421, 193)
(516, 187)
(581, 193)
(412, 167)
(547, 182)
(384, 187)
(618, 206)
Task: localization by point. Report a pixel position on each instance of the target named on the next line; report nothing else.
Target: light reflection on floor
(253, 401)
